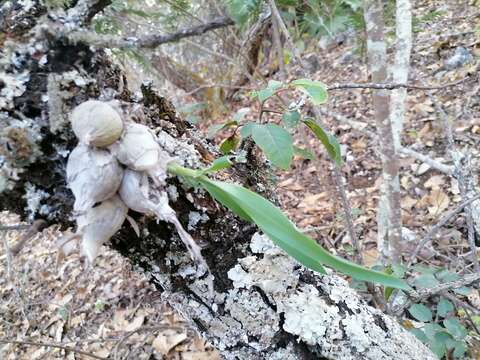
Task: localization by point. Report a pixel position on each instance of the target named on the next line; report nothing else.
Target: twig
(32, 230)
(14, 227)
(362, 128)
(148, 42)
(53, 345)
(8, 256)
(394, 86)
(437, 226)
(415, 296)
(424, 294)
(427, 160)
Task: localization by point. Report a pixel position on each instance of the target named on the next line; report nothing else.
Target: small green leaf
(272, 87)
(291, 118)
(431, 330)
(425, 281)
(438, 348)
(420, 312)
(212, 130)
(329, 141)
(229, 144)
(444, 307)
(419, 334)
(459, 350)
(315, 89)
(455, 328)
(446, 276)
(275, 142)
(304, 153)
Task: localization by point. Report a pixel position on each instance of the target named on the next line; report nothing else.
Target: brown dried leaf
(167, 340)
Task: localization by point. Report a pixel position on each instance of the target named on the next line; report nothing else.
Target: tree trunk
(389, 209)
(265, 306)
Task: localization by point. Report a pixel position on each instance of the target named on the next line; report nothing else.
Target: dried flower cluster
(109, 172)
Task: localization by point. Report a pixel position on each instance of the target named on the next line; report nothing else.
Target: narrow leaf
(329, 141)
(284, 233)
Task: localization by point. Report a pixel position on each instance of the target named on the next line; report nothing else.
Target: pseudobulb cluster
(110, 171)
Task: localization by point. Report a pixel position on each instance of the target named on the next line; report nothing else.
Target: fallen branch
(52, 345)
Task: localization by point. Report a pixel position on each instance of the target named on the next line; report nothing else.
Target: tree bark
(265, 306)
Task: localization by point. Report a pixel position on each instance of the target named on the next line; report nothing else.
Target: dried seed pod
(138, 149)
(137, 194)
(97, 225)
(96, 123)
(93, 175)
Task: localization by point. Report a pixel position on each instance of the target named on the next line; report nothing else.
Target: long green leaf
(285, 234)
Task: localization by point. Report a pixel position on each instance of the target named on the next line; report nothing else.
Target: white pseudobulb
(96, 123)
(93, 175)
(97, 225)
(137, 194)
(139, 150)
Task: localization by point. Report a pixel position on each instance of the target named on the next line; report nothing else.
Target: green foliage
(291, 118)
(329, 17)
(441, 336)
(420, 312)
(264, 94)
(275, 142)
(243, 12)
(329, 141)
(254, 208)
(315, 89)
(229, 144)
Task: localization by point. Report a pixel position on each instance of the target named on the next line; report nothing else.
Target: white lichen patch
(308, 316)
(194, 217)
(34, 198)
(14, 86)
(257, 318)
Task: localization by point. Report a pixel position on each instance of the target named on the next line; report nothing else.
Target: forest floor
(112, 311)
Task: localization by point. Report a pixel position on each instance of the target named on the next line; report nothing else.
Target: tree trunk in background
(266, 306)
(401, 67)
(389, 210)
